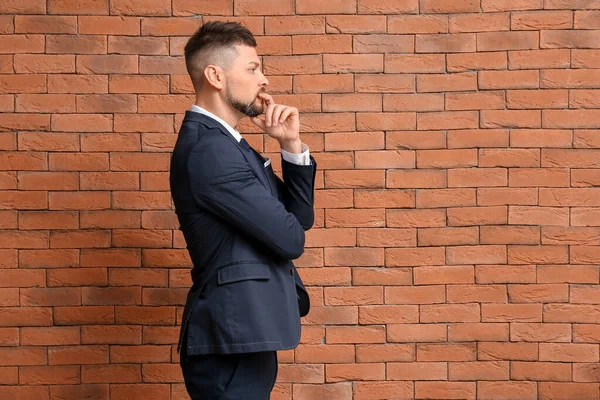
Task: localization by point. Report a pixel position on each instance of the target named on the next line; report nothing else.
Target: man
(242, 224)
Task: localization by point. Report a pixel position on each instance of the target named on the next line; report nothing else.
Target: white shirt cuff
(298, 159)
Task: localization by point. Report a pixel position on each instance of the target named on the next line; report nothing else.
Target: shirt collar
(233, 132)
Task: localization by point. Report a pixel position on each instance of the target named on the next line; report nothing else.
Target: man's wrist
(291, 146)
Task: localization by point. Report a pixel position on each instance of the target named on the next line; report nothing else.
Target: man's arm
(297, 188)
(221, 180)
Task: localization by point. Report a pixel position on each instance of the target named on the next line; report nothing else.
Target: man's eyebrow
(255, 63)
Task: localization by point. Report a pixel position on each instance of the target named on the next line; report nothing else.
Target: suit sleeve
(298, 192)
(222, 181)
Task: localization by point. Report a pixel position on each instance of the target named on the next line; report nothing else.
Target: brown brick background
(457, 240)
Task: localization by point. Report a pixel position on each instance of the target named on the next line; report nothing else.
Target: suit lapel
(257, 163)
(253, 158)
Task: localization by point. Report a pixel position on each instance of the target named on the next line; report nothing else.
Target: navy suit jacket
(243, 226)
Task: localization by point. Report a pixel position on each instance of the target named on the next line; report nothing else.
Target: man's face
(245, 81)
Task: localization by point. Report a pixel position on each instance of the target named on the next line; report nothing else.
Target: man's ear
(214, 75)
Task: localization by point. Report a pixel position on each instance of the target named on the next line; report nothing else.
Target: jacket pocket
(242, 272)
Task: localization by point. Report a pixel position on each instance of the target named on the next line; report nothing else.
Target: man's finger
(277, 113)
(259, 122)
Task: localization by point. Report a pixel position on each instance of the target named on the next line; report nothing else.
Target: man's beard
(250, 109)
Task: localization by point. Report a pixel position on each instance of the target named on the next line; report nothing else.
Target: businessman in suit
(243, 225)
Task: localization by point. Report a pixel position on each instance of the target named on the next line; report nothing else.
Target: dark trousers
(244, 376)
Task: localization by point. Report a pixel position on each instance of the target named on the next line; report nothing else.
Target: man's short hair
(214, 43)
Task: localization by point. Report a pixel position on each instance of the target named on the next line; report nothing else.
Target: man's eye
(253, 69)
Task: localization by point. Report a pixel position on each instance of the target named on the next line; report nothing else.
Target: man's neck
(225, 113)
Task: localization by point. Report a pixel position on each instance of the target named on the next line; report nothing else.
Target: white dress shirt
(298, 159)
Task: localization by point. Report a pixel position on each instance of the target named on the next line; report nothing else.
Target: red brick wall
(457, 242)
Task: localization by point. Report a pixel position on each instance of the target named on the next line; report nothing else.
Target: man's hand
(280, 122)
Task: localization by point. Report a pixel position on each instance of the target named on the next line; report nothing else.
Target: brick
(15, 44)
(585, 333)
(127, 391)
(542, 20)
(161, 335)
(444, 275)
(49, 258)
(414, 295)
(464, 332)
(344, 63)
(186, 7)
(172, 26)
(110, 258)
(415, 24)
(583, 254)
(511, 119)
(342, 391)
(448, 236)
(567, 390)
(414, 63)
(323, 83)
(445, 390)
(540, 371)
(128, 7)
(107, 64)
(475, 101)
(462, 62)
(386, 237)
(586, 20)
(366, 371)
(354, 334)
(381, 276)
(416, 333)
(9, 260)
(77, 277)
(24, 392)
(499, 41)
(434, 198)
(533, 59)
(356, 24)
(404, 257)
(138, 45)
(450, 313)
(509, 79)
(24, 240)
(510, 234)
(551, 39)
(479, 370)
(445, 43)
(447, 7)
(325, 276)
(294, 25)
(382, 44)
(509, 158)
(415, 140)
(354, 257)
(416, 218)
(468, 177)
(108, 25)
(87, 44)
(77, 83)
(421, 371)
(303, 373)
(447, 83)
(572, 79)
(507, 390)
(314, 7)
(576, 158)
(79, 391)
(25, 122)
(388, 7)
(508, 351)
(22, 200)
(481, 22)
(44, 63)
(413, 102)
(447, 120)
(478, 138)
(84, 315)
(341, 141)
(355, 179)
(511, 5)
